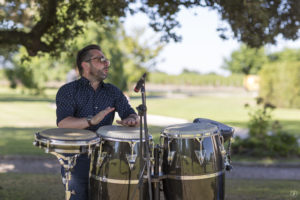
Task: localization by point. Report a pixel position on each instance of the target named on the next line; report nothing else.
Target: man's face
(98, 65)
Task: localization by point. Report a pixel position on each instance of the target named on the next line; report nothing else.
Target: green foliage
(263, 141)
(197, 79)
(285, 55)
(245, 60)
(33, 72)
(129, 58)
(50, 26)
(280, 83)
(259, 118)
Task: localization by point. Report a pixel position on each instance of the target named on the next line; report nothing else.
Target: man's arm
(82, 123)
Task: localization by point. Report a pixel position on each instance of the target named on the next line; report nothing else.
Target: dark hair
(83, 55)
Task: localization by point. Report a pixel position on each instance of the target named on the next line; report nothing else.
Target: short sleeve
(65, 105)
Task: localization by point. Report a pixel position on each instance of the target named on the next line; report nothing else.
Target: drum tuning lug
(131, 160)
(101, 158)
(171, 155)
(200, 156)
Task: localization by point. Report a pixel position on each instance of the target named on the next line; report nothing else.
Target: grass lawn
(15, 186)
(22, 115)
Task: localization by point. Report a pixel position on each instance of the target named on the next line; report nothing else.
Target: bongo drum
(115, 165)
(66, 140)
(193, 164)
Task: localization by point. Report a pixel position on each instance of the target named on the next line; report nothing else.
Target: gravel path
(18, 164)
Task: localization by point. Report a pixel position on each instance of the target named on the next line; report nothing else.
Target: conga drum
(66, 144)
(115, 164)
(193, 164)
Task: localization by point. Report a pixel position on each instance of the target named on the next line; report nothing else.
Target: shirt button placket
(95, 107)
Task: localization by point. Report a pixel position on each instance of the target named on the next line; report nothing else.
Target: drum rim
(124, 140)
(190, 136)
(61, 142)
(120, 139)
(43, 134)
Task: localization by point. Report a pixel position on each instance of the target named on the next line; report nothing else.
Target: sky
(201, 48)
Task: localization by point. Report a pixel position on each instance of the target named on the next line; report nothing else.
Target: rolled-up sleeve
(123, 107)
(65, 105)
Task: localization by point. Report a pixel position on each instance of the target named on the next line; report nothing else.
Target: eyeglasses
(100, 59)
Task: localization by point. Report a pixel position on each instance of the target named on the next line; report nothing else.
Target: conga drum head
(120, 133)
(66, 140)
(190, 130)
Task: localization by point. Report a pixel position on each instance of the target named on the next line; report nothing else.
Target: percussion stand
(71, 162)
(142, 109)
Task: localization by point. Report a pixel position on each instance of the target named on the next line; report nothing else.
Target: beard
(99, 74)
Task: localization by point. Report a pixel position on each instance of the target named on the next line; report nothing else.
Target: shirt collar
(85, 81)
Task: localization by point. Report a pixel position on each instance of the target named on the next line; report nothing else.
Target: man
(89, 103)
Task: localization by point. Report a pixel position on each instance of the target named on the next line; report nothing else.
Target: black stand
(142, 109)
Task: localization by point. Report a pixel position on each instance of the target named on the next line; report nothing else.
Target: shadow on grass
(26, 99)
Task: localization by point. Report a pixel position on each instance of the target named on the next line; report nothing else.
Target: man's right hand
(100, 116)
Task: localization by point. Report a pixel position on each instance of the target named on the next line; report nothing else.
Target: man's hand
(131, 120)
(100, 116)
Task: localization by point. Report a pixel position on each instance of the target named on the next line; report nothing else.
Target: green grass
(240, 189)
(31, 187)
(15, 186)
(226, 109)
(23, 114)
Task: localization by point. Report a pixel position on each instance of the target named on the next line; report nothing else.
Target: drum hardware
(223, 151)
(171, 154)
(228, 165)
(62, 141)
(131, 157)
(142, 112)
(227, 133)
(155, 178)
(101, 155)
(199, 153)
(71, 162)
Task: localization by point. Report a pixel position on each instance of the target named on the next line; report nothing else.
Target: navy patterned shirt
(79, 99)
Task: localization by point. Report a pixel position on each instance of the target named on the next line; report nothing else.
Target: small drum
(66, 140)
(115, 164)
(193, 164)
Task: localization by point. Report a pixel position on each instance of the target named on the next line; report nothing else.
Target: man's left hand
(131, 120)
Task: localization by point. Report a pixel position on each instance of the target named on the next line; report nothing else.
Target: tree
(246, 60)
(50, 25)
(129, 58)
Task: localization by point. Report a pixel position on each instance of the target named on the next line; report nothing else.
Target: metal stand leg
(71, 162)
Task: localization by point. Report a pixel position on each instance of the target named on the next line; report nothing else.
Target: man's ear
(85, 67)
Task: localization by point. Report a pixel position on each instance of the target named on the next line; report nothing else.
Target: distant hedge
(280, 84)
(197, 79)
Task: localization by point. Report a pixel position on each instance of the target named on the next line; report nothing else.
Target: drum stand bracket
(71, 162)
